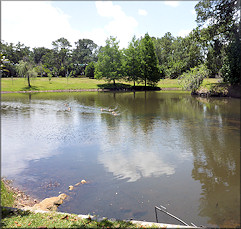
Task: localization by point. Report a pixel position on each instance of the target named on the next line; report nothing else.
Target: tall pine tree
(150, 70)
(132, 61)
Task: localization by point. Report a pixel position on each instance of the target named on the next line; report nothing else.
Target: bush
(191, 80)
(90, 70)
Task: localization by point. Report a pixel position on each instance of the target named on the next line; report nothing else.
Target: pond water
(151, 149)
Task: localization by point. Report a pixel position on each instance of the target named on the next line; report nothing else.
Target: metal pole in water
(156, 215)
(173, 216)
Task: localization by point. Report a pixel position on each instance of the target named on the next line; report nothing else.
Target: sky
(38, 23)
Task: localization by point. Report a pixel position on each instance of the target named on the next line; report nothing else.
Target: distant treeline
(147, 59)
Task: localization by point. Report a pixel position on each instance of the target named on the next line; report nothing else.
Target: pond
(135, 150)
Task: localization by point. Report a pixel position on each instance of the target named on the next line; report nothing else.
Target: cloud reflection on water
(16, 157)
(135, 165)
(132, 154)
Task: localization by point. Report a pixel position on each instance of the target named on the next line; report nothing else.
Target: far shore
(210, 87)
(94, 89)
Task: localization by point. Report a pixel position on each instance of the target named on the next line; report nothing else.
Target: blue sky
(38, 23)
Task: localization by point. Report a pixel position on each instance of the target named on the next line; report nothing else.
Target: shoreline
(21, 198)
(93, 89)
(233, 91)
(25, 203)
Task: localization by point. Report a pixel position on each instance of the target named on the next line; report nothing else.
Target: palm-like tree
(25, 69)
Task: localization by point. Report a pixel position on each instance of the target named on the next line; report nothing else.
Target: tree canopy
(132, 61)
(221, 36)
(109, 65)
(149, 63)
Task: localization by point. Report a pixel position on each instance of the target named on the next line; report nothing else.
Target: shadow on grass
(10, 212)
(30, 88)
(127, 87)
(107, 224)
(117, 86)
(66, 221)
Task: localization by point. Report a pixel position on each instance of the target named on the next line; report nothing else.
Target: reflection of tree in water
(217, 163)
(137, 108)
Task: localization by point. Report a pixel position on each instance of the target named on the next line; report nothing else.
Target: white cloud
(142, 12)
(35, 23)
(184, 32)
(97, 35)
(120, 26)
(172, 3)
(38, 23)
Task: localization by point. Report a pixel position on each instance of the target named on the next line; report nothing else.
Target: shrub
(192, 79)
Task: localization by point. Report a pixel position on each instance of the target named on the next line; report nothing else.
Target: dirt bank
(221, 90)
(21, 199)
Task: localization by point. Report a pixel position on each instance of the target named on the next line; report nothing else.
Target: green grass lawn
(169, 83)
(27, 219)
(43, 84)
(38, 84)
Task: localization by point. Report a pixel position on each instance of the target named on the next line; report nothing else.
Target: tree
(231, 68)
(25, 69)
(215, 57)
(14, 53)
(221, 16)
(38, 54)
(177, 55)
(49, 59)
(150, 71)
(164, 51)
(61, 43)
(3, 61)
(62, 55)
(132, 61)
(109, 65)
(222, 21)
(85, 51)
(90, 70)
(190, 51)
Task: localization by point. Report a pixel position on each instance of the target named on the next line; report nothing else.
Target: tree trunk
(29, 82)
(134, 83)
(145, 83)
(114, 81)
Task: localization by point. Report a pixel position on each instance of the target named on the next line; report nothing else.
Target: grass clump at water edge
(7, 196)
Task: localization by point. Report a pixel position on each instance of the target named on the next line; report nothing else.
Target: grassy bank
(43, 84)
(27, 219)
(16, 218)
(7, 196)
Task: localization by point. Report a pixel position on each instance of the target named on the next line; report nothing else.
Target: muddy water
(136, 150)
